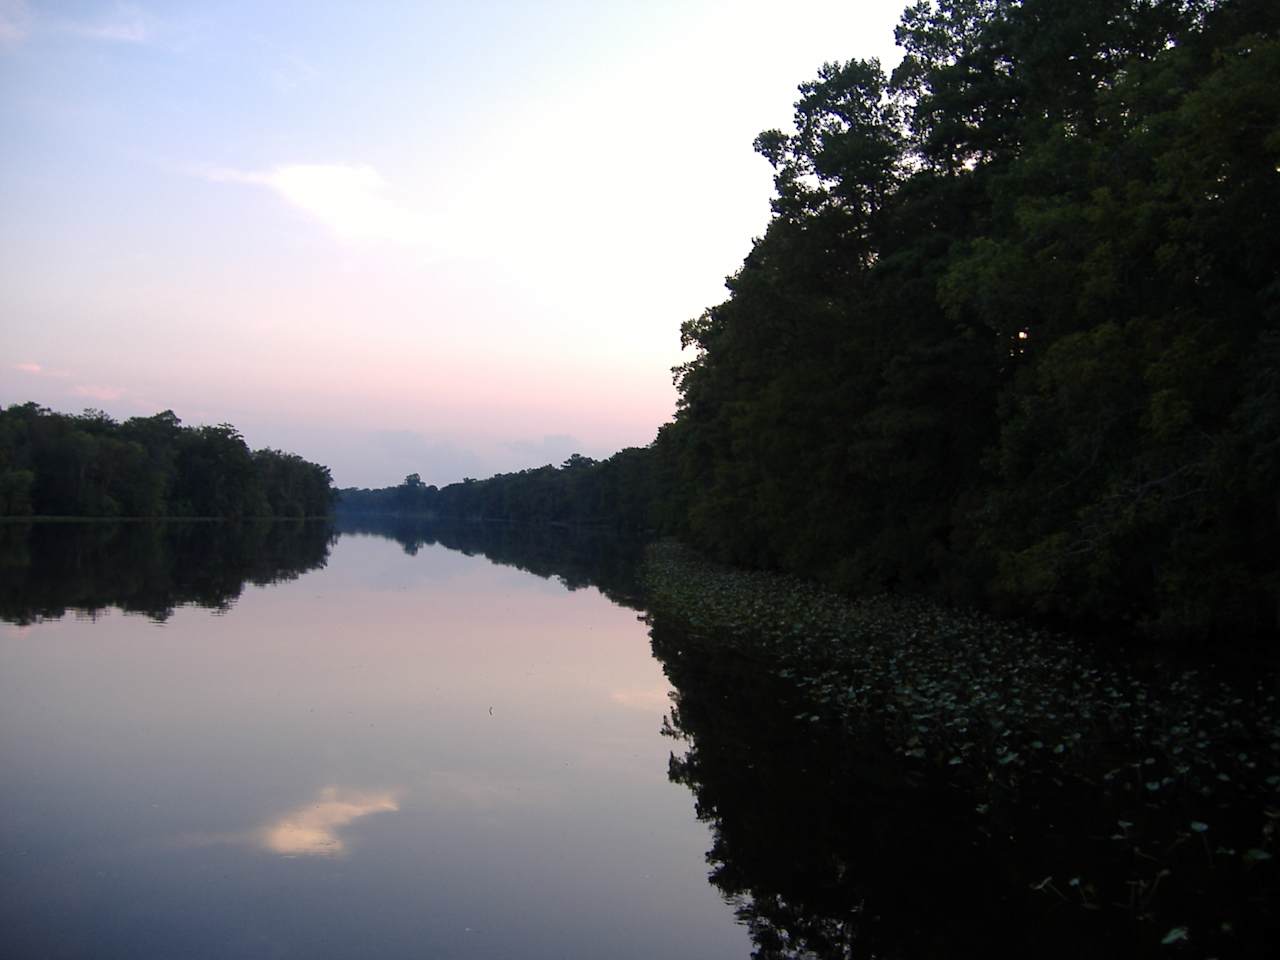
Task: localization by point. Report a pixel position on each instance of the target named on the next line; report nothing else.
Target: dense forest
(54, 464)
(1014, 328)
(1012, 334)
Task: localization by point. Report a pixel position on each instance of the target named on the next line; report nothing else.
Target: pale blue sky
(393, 237)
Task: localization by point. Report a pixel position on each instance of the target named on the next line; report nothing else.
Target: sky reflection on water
(426, 755)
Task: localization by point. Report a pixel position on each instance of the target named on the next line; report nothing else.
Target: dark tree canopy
(1012, 332)
(54, 464)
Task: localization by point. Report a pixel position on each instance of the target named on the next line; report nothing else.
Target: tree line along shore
(88, 465)
(1010, 339)
(1012, 336)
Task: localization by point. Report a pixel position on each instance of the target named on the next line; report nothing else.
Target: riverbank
(1159, 785)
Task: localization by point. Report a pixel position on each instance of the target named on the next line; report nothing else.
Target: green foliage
(54, 464)
(1007, 333)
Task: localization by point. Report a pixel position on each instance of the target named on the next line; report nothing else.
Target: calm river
(289, 742)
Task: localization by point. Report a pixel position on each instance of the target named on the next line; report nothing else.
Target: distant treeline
(1012, 334)
(618, 492)
(88, 465)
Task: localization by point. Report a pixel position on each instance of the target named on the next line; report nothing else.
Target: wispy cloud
(15, 22)
(354, 202)
(95, 392)
(553, 448)
(40, 370)
(292, 72)
(125, 24)
(643, 698)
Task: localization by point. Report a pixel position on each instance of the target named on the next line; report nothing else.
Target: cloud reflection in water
(311, 829)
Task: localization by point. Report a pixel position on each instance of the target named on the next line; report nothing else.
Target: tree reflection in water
(578, 556)
(824, 849)
(150, 568)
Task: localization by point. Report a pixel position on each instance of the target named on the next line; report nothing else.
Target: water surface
(357, 747)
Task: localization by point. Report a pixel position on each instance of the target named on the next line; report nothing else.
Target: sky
(445, 238)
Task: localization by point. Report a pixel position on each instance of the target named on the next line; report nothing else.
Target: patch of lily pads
(1185, 763)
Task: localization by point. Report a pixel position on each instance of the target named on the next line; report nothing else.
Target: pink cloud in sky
(40, 370)
(94, 392)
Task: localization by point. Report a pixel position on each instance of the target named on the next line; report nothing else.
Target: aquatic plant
(1172, 771)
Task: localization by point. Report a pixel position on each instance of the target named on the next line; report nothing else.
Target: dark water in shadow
(283, 741)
